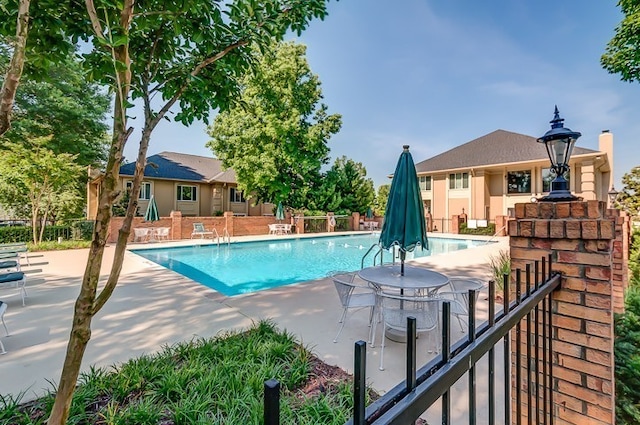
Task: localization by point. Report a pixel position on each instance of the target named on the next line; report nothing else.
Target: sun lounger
(199, 230)
(17, 279)
(9, 265)
(14, 250)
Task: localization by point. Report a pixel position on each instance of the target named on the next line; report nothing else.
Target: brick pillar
(581, 238)
(455, 224)
(501, 225)
(355, 221)
(228, 222)
(620, 258)
(176, 225)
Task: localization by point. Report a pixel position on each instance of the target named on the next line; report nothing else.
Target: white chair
(141, 235)
(273, 229)
(16, 279)
(3, 309)
(162, 233)
(458, 291)
(354, 294)
(199, 230)
(396, 309)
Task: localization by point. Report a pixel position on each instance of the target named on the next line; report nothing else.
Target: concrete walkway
(152, 306)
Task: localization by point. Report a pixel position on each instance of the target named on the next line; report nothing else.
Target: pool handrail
(374, 256)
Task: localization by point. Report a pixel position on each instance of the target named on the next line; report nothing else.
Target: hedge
(490, 230)
(76, 230)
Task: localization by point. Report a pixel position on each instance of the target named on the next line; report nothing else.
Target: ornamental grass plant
(203, 381)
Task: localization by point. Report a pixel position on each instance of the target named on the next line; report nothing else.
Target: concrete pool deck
(152, 306)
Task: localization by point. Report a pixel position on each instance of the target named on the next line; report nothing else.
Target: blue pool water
(253, 266)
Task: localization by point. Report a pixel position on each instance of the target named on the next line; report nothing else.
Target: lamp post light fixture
(559, 142)
(613, 195)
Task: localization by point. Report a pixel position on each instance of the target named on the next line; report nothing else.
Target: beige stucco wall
(438, 201)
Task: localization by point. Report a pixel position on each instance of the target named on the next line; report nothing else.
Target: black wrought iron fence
(531, 309)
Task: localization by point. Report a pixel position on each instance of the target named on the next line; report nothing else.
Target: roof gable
(180, 166)
(498, 147)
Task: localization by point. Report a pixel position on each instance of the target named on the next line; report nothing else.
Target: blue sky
(436, 74)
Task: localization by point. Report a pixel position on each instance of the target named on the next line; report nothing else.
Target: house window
(145, 190)
(425, 182)
(547, 177)
(186, 193)
(235, 195)
(459, 181)
(519, 181)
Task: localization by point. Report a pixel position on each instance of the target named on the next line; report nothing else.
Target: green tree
(629, 198)
(275, 137)
(188, 56)
(381, 199)
(38, 182)
(348, 187)
(622, 55)
(64, 105)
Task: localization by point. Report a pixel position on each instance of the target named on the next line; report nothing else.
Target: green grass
(203, 381)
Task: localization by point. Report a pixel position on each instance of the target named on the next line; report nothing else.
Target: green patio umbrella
(404, 224)
(369, 213)
(280, 212)
(152, 211)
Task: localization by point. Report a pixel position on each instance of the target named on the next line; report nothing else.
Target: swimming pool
(253, 266)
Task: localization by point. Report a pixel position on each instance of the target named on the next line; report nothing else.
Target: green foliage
(629, 197)
(490, 230)
(11, 234)
(634, 258)
(500, 265)
(627, 360)
(381, 199)
(65, 106)
(52, 245)
(345, 187)
(37, 183)
(275, 137)
(622, 55)
(218, 380)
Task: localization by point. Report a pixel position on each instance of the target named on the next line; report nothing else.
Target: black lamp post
(613, 195)
(559, 142)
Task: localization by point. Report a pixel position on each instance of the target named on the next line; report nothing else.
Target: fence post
(580, 239)
(272, 402)
(359, 382)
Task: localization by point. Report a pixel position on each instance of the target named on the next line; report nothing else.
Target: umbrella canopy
(404, 223)
(152, 211)
(280, 212)
(369, 213)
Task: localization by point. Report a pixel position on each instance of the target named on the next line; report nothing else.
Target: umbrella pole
(402, 255)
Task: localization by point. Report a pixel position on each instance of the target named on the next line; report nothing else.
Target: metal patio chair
(396, 309)
(354, 295)
(458, 291)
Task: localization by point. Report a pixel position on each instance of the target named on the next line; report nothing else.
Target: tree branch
(95, 22)
(14, 71)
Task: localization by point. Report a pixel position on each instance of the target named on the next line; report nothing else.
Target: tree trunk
(85, 307)
(14, 72)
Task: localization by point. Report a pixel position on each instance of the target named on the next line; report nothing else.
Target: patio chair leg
(342, 321)
(460, 323)
(384, 329)
(3, 351)
(5, 326)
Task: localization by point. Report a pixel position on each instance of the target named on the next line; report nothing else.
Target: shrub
(490, 230)
(627, 360)
(500, 265)
(24, 233)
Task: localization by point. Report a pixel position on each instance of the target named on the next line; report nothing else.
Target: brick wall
(587, 244)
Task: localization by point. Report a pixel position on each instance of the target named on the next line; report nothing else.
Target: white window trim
(129, 183)
(235, 191)
(461, 181)
(195, 189)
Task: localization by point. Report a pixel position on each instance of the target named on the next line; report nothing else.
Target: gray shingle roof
(498, 147)
(182, 166)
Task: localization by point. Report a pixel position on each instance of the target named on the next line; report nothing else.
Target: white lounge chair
(17, 279)
(199, 230)
(162, 233)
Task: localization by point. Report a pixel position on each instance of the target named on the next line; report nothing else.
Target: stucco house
(194, 185)
(487, 176)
